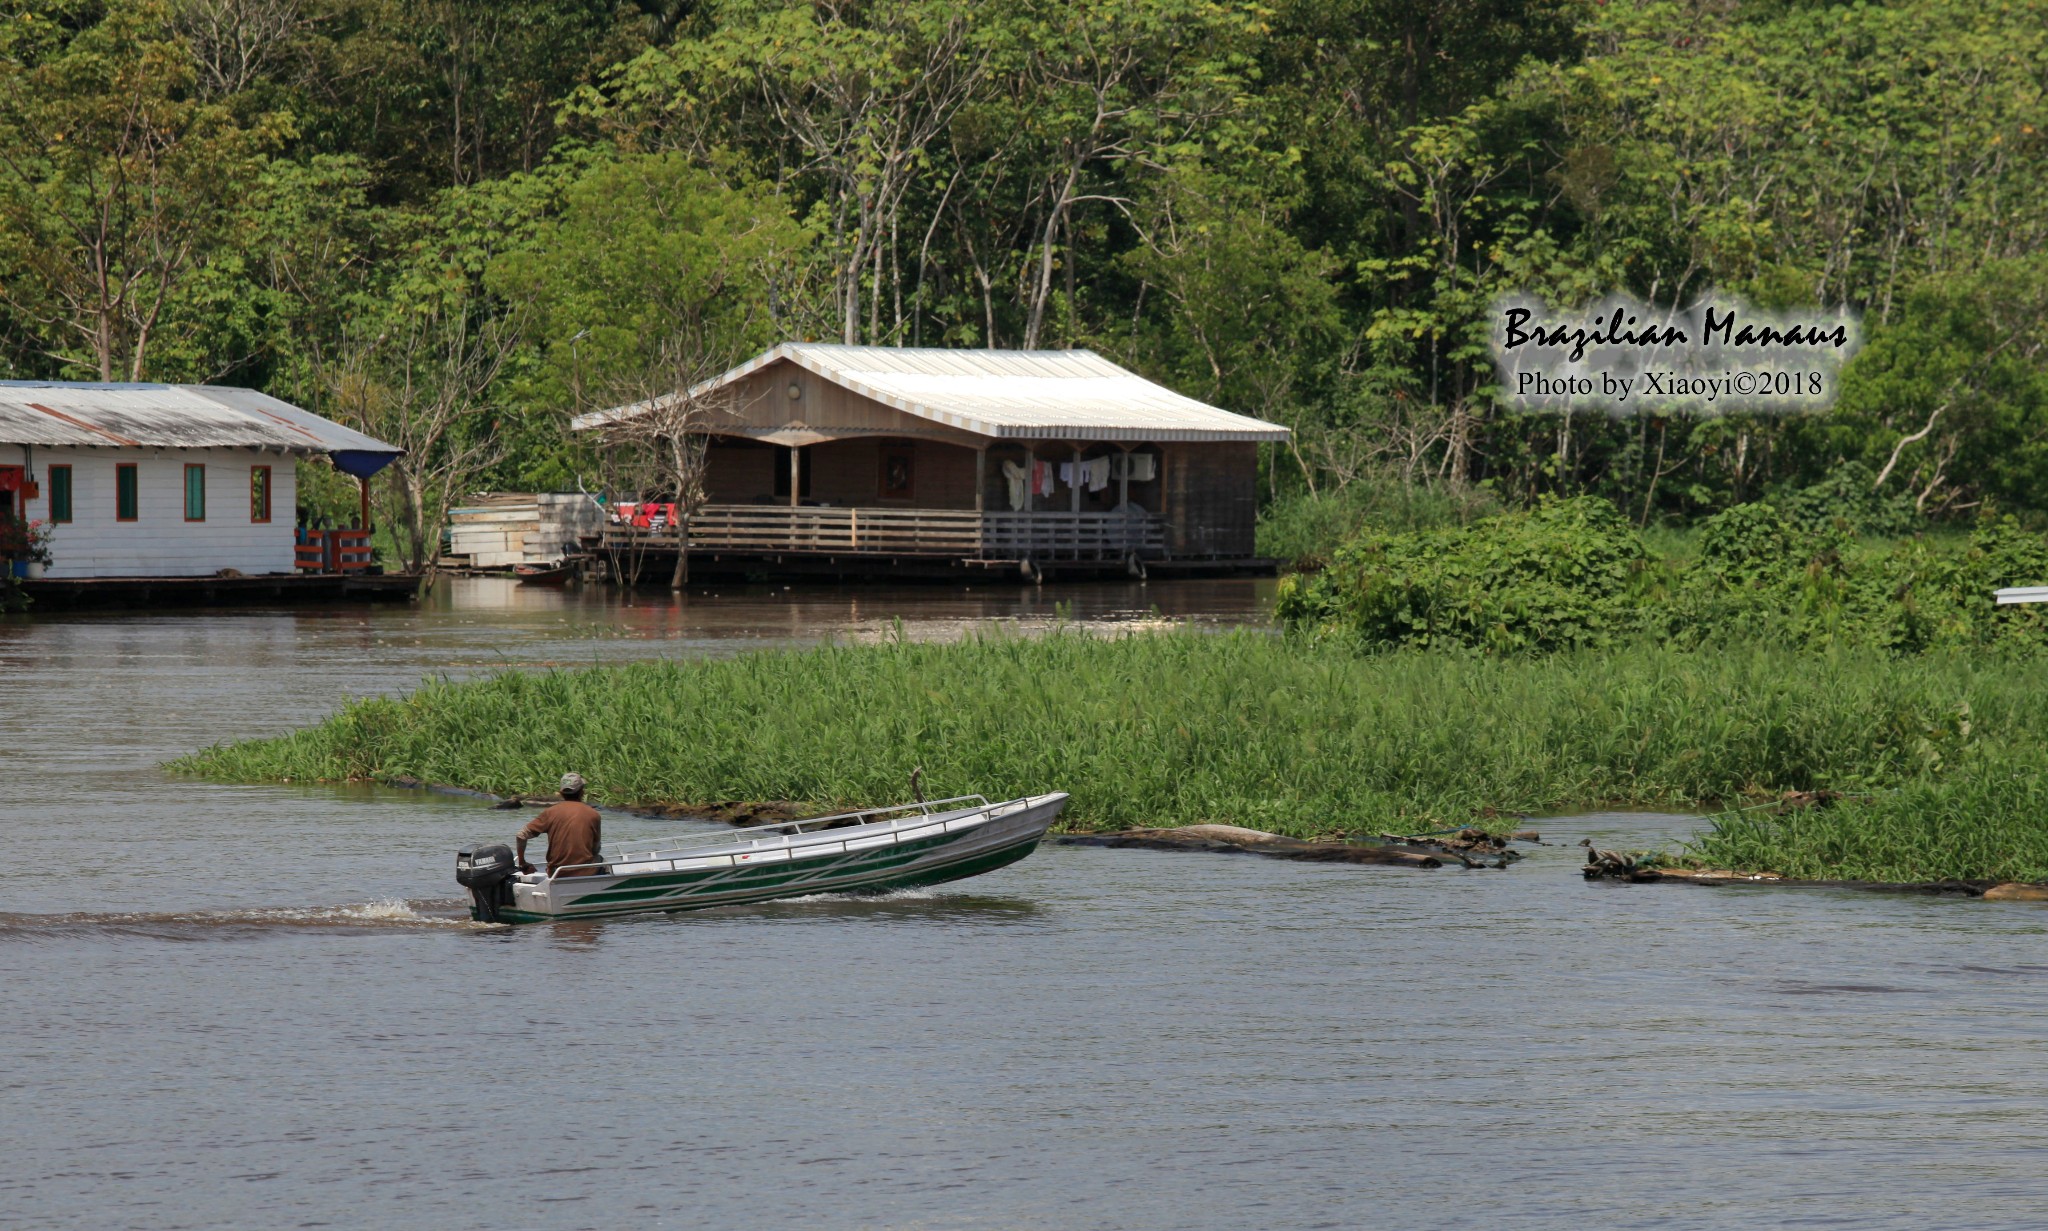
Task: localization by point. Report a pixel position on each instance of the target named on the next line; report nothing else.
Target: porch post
(1123, 494)
(796, 474)
(1075, 491)
(980, 477)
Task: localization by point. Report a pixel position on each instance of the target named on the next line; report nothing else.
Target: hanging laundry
(1041, 478)
(1016, 476)
(1067, 475)
(1098, 474)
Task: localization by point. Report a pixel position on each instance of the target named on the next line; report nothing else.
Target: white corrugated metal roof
(70, 413)
(1019, 395)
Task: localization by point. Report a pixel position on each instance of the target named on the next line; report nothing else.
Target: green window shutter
(60, 493)
(195, 493)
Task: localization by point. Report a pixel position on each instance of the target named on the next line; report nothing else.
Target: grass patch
(1280, 733)
(1990, 824)
(1303, 530)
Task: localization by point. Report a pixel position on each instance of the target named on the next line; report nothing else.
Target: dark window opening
(125, 492)
(60, 493)
(803, 478)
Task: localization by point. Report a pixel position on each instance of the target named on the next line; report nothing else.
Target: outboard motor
(486, 871)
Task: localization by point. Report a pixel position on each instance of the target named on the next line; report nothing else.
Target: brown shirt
(572, 829)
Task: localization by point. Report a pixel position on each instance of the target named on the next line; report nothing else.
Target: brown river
(251, 1006)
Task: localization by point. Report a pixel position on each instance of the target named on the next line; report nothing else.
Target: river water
(249, 1007)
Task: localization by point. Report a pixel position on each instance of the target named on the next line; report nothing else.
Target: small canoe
(872, 851)
(545, 574)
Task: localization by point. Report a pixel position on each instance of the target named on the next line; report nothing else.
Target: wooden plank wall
(1211, 499)
(762, 402)
(735, 472)
(843, 472)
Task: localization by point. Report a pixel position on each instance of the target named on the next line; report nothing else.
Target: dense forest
(456, 222)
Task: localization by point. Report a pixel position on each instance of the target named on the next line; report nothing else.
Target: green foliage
(640, 248)
(117, 184)
(1557, 577)
(1848, 500)
(1572, 573)
(1179, 728)
(1304, 530)
(1983, 821)
(1952, 395)
(1296, 210)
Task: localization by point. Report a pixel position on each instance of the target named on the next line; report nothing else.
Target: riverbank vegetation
(1809, 573)
(1247, 728)
(1575, 573)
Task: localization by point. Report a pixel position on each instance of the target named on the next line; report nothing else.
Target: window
(899, 477)
(259, 493)
(125, 499)
(195, 491)
(60, 493)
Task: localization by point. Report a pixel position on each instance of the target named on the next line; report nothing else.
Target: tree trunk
(416, 524)
(681, 576)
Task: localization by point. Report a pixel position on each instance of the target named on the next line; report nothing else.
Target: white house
(145, 480)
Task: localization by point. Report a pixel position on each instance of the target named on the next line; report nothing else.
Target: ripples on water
(261, 1007)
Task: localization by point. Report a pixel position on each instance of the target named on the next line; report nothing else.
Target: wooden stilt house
(853, 455)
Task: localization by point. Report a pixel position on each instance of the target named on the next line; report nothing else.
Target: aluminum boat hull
(903, 853)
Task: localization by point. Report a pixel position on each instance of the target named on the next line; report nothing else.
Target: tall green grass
(1303, 530)
(1989, 822)
(1249, 728)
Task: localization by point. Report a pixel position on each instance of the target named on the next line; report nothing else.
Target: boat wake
(417, 915)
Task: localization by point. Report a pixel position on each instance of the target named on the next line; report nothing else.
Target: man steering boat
(574, 830)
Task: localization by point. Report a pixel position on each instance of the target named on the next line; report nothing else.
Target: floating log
(1233, 840)
(2016, 891)
(1708, 876)
(1621, 868)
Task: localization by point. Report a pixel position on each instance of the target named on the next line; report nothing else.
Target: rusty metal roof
(1017, 395)
(79, 414)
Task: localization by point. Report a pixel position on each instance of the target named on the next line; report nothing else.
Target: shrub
(1572, 573)
(1556, 577)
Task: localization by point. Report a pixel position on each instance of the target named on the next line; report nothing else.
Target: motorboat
(560, 573)
(875, 850)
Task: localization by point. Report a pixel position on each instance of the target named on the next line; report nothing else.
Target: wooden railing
(1013, 536)
(334, 551)
(956, 533)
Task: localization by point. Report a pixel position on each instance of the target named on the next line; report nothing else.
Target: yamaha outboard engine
(486, 871)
